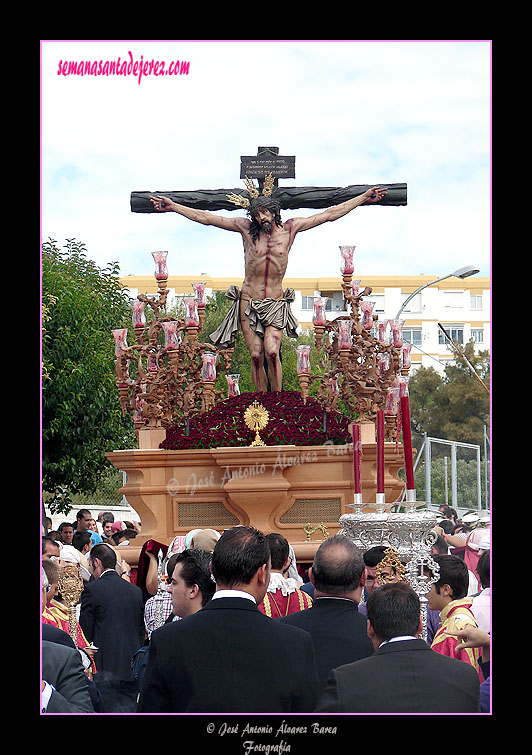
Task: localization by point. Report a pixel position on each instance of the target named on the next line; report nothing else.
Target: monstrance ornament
(256, 418)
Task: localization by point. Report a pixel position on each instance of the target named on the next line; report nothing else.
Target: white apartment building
(462, 307)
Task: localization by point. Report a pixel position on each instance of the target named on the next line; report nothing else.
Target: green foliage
(81, 415)
(454, 406)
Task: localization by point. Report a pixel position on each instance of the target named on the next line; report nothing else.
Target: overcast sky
(352, 112)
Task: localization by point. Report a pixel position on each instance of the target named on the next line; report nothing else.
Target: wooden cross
(265, 161)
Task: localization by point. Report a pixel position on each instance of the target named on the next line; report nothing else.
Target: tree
(454, 406)
(81, 415)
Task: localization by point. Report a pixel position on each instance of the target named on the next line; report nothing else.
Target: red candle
(380, 451)
(356, 457)
(407, 442)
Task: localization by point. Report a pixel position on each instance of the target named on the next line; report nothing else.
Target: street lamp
(462, 272)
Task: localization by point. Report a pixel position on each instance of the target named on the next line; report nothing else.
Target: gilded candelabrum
(362, 360)
(167, 374)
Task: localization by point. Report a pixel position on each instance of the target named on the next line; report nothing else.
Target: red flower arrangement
(291, 423)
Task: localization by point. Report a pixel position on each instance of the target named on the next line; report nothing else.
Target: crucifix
(268, 160)
(261, 308)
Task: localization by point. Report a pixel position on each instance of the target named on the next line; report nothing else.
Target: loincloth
(262, 313)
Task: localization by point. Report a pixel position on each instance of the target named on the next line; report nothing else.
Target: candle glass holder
(319, 303)
(172, 338)
(233, 388)
(191, 313)
(397, 332)
(208, 370)
(138, 315)
(199, 291)
(303, 359)
(406, 361)
(347, 267)
(345, 338)
(161, 270)
(392, 401)
(366, 307)
(355, 287)
(384, 332)
(120, 336)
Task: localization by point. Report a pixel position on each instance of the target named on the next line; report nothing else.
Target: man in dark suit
(64, 688)
(337, 628)
(403, 675)
(229, 657)
(112, 618)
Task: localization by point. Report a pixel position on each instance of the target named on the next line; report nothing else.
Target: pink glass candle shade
(303, 360)
(392, 401)
(199, 290)
(383, 332)
(366, 307)
(355, 287)
(233, 388)
(138, 315)
(319, 303)
(345, 338)
(397, 332)
(406, 361)
(171, 337)
(161, 270)
(191, 313)
(403, 380)
(208, 371)
(120, 336)
(347, 267)
(383, 363)
(152, 363)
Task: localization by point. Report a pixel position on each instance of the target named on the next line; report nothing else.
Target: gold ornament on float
(256, 418)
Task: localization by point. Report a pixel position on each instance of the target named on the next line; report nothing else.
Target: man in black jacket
(112, 618)
(229, 657)
(403, 675)
(337, 628)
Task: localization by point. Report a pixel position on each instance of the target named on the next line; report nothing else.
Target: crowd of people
(230, 623)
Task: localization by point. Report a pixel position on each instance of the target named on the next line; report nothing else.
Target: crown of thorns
(253, 191)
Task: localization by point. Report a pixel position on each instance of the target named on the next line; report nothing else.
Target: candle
(138, 315)
(120, 336)
(191, 313)
(319, 303)
(357, 462)
(380, 456)
(344, 334)
(397, 332)
(392, 401)
(347, 267)
(208, 371)
(161, 271)
(233, 388)
(199, 290)
(171, 336)
(303, 360)
(366, 307)
(406, 361)
(407, 446)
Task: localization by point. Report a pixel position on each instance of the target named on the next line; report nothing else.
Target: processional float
(169, 373)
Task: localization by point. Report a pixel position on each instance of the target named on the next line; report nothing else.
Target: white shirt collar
(397, 639)
(233, 594)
